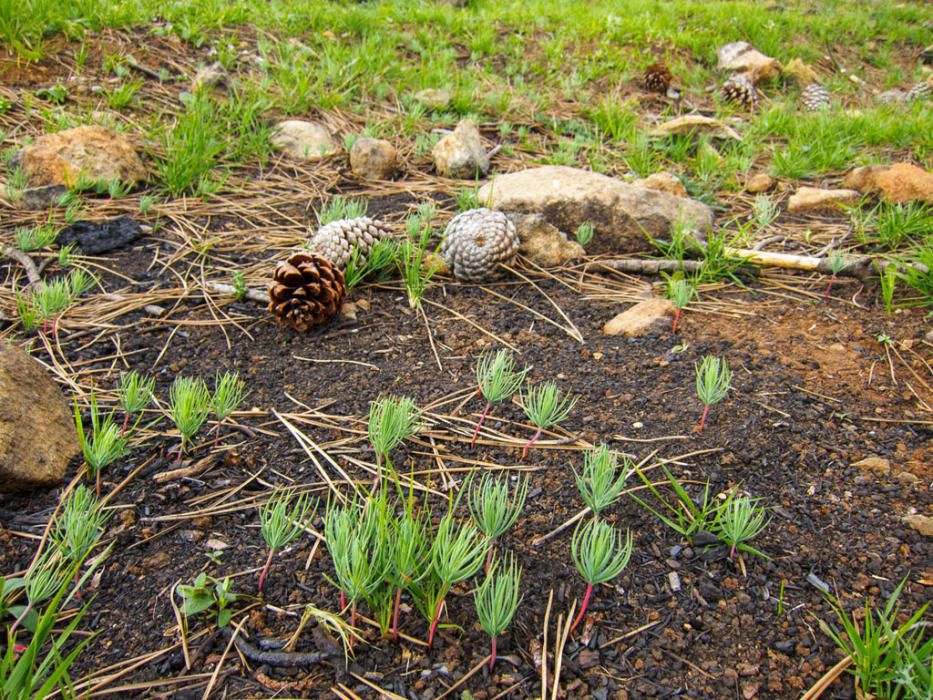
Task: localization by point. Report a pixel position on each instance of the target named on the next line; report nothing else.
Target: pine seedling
(392, 419)
(240, 287)
(600, 554)
(134, 394)
(280, 525)
(713, 381)
(415, 270)
(601, 482)
(41, 582)
(359, 267)
(341, 208)
(544, 407)
(680, 292)
(738, 521)
(497, 599)
(498, 380)
(103, 445)
(229, 392)
(189, 406)
(837, 261)
(79, 525)
(409, 555)
(32, 238)
(494, 508)
(457, 553)
(584, 233)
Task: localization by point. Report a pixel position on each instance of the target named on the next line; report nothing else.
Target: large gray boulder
(37, 432)
(621, 213)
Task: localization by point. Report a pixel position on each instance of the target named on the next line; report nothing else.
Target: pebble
(674, 580)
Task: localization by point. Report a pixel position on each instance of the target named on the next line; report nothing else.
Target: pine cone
(476, 241)
(657, 77)
(815, 97)
(919, 93)
(306, 291)
(740, 89)
(335, 240)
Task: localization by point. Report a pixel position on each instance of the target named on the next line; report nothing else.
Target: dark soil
(801, 413)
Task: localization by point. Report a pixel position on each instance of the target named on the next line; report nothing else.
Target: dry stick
(559, 644)
(650, 267)
(827, 680)
(427, 327)
(469, 674)
(632, 633)
(277, 658)
(534, 313)
(32, 272)
(547, 617)
(576, 335)
(477, 326)
(302, 438)
(258, 295)
(383, 693)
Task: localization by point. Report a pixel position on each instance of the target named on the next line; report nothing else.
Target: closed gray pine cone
(815, 97)
(476, 241)
(919, 93)
(740, 89)
(335, 240)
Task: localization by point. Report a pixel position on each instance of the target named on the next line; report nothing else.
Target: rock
(44, 197)
(90, 153)
(864, 179)
(641, 318)
(759, 182)
(907, 479)
(37, 432)
(802, 72)
(303, 140)
(921, 523)
(620, 212)
(695, 124)
(878, 465)
(209, 77)
(812, 199)
(461, 154)
(98, 237)
(903, 182)
(664, 182)
(373, 159)
(742, 57)
(893, 96)
(433, 98)
(543, 243)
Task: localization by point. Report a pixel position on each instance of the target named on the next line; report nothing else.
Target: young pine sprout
(103, 445)
(681, 292)
(280, 525)
(497, 599)
(713, 381)
(189, 406)
(837, 261)
(79, 525)
(409, 557)
(600, 554)
(739, 520)
(457, 553)
(392, 419)
(601, 482)
(544, 407)
(42, 581)
(493, 509)
(498, 380)
(229, 392)
(134, 393)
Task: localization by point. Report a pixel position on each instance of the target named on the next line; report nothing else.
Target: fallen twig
(277, 658)
(32, 272)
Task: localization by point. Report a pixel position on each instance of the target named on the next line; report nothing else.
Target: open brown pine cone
(306, 291)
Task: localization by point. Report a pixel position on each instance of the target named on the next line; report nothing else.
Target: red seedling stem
(703, 418)
(676, 319)
(829, 286)
(586, 600)
(437, 618)
(343, 601)
(126, 422)
(352, 622)
(492, 656)
(97, 485)
(492, 546)
(217, 435)
(530, 443)
(398, 604)
(480, 423)
(265, 569)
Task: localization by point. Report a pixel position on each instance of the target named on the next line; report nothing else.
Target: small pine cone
(815, 97)
(657, 77)
(476, 241)
(919, 93)
(306, 291)
(335, 240)
(740, 89)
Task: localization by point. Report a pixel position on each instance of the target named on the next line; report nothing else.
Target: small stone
(664, 182)
(210, 77)
(90, 153)
(36, 198)
(921, 523)
(303, 140)
(878, 465)
(373, 159)
(695, 124)
(814, 199)
(864, 179)
(759, 182)
(673, 580)
(641, 318)
(905, 182)
(433, 98)
(216, 545)
(543, 243)
(742, 57)
(907, 478)
(461, 154)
